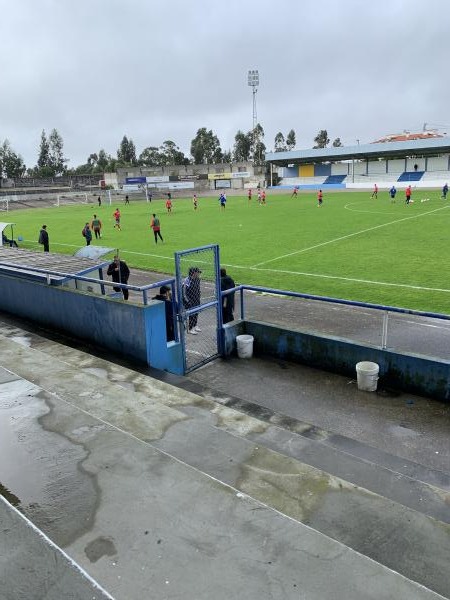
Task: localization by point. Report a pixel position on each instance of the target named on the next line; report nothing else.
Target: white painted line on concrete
(57, 548)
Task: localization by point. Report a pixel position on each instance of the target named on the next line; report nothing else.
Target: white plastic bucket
(244, 346)
(367, 376)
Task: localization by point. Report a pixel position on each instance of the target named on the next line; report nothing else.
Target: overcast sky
(160, 69)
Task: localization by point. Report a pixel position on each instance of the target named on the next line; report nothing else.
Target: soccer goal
(4, 204)
(70, 199)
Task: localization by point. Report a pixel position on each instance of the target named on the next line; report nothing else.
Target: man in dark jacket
(120, 273)
(226, 283)
(43, 238)
(165, 295)
(191, 297)
(87, 234)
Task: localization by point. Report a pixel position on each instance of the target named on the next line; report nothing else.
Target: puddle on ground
(41, 469)
(101, 546)
(12, 498)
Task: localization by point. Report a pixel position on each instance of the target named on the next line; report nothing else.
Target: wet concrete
(188, 497)
(32, 568)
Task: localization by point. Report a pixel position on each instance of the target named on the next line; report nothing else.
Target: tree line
(205, 149)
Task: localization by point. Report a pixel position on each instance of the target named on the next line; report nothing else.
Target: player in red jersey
(116, 215)
(319, 198)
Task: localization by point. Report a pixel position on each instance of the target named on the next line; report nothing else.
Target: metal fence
(386, 327)
(198, 293)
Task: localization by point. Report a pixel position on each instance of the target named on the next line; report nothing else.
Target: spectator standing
(165, 295)
(96, 227)
(87, 234)
(191, 297)
(156, 226)
(119, 272)
(227, 283)
(43, 238)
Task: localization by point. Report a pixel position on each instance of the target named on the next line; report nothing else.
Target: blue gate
(199, 305)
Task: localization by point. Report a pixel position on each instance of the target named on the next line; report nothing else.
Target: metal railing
(50, 275)
(387, 312)
(393, 327)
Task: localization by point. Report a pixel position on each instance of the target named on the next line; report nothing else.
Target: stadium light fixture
(253, 82)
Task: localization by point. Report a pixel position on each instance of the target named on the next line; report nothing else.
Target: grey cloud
(99, 69)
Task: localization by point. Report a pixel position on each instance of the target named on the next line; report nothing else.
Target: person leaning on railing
(165, 295)
(120, 273)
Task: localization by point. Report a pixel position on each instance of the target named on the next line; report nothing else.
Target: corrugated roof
(365, 151)
(18, 260)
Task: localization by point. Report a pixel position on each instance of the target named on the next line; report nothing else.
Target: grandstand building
(420, 162)
(201, 178)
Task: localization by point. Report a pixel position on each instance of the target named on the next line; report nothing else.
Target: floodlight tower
(253, 82)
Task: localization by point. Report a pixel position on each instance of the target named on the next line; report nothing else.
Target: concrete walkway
(247, 480)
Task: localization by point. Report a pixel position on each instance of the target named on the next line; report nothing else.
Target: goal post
(68, 199)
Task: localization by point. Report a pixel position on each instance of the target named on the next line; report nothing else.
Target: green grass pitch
(352, 247)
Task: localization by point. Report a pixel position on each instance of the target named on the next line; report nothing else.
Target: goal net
(69, 199)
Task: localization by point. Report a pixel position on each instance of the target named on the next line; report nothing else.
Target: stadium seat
(331, 179)
(411, 176)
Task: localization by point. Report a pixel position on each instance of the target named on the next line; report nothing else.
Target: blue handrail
(383, 307)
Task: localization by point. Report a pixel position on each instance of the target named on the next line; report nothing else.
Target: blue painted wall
(135, 331)
(322, 170)
(290, 171)
(407, 372)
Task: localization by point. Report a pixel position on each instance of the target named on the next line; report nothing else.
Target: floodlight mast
(253, 82)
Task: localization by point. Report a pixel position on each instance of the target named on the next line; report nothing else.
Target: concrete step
(218, 442)
(142, 522)
(31, 566)
(411, 484)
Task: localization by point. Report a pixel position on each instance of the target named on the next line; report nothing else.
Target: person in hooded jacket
(165, 295)
(227, 283)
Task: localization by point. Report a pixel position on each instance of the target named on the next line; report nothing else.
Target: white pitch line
(318, 275)
(121, 251)
(348, 236)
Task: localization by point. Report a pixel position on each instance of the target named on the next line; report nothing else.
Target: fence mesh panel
(197, 272)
